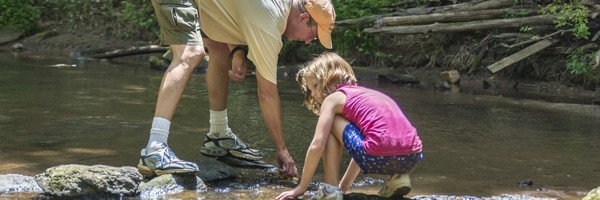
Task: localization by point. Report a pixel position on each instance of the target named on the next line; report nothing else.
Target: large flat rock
(8, 35)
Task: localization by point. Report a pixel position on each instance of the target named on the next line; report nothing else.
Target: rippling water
(100, 113)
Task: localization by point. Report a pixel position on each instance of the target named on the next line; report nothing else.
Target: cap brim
(324, 37)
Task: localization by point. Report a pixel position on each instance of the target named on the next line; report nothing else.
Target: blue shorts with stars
(399, 164)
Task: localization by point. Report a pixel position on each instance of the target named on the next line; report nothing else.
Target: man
(229, 24)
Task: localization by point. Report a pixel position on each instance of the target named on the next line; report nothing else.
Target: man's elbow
(268, 92)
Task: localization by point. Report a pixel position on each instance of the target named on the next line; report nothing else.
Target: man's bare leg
(175, 79)
(220, 140)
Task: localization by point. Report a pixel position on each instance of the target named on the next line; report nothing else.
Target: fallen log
(451, 17)
(466, 26)
(130, 51)
(469, 6)
(524, 53)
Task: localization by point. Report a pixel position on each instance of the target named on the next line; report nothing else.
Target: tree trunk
(130, 51)
(469, 6)
(451, 17)
(467, 26)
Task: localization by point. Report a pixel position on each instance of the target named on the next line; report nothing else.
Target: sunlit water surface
(100, 113)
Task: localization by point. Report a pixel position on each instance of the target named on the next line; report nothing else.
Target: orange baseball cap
(323, 13)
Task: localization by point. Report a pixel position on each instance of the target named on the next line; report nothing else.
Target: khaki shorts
(178, 21)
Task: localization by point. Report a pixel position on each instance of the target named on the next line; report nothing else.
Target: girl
(365, 122)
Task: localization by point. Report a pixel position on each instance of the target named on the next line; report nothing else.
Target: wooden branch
(505, 62)
(467, 26)
(450, 17)
(534, 40)
(130, 51)
(510, 35)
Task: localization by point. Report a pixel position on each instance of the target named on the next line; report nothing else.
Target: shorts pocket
(178, 16)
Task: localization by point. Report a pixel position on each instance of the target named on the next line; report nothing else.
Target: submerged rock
(244, 163)
(16, 183)
(9, 35)
(210, 169)
(170, 184)
(81, 180)
(500, 197)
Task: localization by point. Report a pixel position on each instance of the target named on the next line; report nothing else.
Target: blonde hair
(330, 72)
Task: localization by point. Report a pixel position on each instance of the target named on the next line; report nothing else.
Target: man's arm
(270, 106)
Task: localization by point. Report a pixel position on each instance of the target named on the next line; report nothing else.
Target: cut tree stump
(505, 62)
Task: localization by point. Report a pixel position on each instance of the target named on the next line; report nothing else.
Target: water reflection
(100, 113)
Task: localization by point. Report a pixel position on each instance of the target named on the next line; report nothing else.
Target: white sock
(159, 133)
(219, 123)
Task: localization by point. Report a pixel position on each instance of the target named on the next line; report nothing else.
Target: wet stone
(9, 35)
(210, 169)
(16, 183)
(163, 185)
(592, 195)
(525, 183)
(239, 162)
(80, 181)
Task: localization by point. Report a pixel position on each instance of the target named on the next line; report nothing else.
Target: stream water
(100, 112)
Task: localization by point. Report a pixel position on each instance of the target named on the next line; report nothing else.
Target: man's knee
(192, 55)
(196, 51)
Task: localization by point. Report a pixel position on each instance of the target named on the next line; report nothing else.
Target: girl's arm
(349, 176)
(330, 107)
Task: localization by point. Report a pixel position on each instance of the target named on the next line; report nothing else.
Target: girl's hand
(291, 194)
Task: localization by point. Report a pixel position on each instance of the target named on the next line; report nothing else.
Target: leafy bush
(19, 15)
(126, 18)
(577, 62)
(76, 11)
(573, 15)
(138, 20)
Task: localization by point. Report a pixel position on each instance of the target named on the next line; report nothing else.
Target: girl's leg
(333, 151)
(332, 156)
(337, 129)
(349, 177)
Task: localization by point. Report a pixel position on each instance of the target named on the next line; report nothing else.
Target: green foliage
(77, 11)
(572, 14)
(525, 29)
(353, 9)
(126, 18)
(513, 13)
(19, 15)
(137, 18)
(353, 41)
(577, 62)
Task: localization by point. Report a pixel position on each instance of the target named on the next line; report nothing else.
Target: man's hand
(287, 166)
(239, 67)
